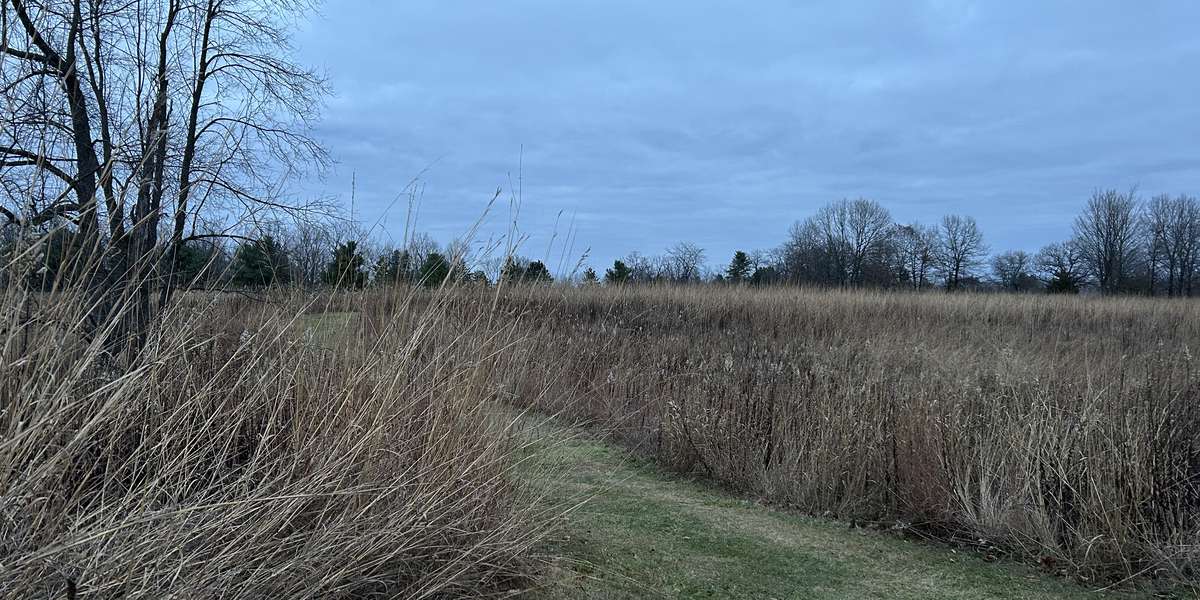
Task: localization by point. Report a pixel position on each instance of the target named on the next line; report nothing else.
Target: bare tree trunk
(189, 154)
(136, 59)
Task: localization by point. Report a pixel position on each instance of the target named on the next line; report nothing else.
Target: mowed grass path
(638, 532)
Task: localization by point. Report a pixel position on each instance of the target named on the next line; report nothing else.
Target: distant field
(1064, 431)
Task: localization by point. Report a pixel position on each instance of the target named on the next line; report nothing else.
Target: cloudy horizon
(721, 125)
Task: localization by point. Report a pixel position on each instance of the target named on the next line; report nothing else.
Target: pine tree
(739, 269)
(260, 263)
(435, 270)
(618, 274)
(1062, 282)
(513, 270)
(537, 272)
(345, 271)
(393, 268)
(196, 262)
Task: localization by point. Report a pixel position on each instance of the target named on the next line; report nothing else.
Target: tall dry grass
(348, 445)
(254, 450)
(1063, 429)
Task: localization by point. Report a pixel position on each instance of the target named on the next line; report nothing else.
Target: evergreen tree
(1062, 282)
(589, 276)
(618, 274)
(537, 272)
(197, 262)
(513, 270)
(765, 276)
(740, 268)
(345, 271)
(435, 270)
(260, 263)
(41, 260)
(393, 268)
(520, 270)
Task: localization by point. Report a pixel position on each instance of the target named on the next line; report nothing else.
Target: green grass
(643, 533)
(324, 328)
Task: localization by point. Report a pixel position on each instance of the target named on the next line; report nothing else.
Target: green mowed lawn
(638, 532)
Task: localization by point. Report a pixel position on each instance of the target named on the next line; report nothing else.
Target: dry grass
(249, 453)
(348, 446)
(1063, 429)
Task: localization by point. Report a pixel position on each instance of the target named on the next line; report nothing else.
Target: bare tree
(852, 232)
(1014, 270)
(92, 85)
(1107, 236)
(917, 246)
(308, 245)
(869, 226)
(419, 246)
(805, 257)
(1183, 242)
(1171, 229)
(1155, 221)
(960, 249)
(684, 263)
(838, 244)
(1060, 267)
(642, 269)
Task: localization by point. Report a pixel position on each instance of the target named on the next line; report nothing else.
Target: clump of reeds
(254, 450)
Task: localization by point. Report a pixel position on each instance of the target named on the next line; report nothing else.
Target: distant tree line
(1119, 245)
(308, 255)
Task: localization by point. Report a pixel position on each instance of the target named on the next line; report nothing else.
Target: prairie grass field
(1065, 431)
(369, 300)
(362, 444)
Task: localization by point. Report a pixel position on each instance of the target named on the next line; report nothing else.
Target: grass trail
(644, 533)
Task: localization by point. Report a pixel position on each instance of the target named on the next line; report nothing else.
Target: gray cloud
(722, 122)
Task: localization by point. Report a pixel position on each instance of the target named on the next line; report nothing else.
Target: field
(371, 444)
(1062, 430)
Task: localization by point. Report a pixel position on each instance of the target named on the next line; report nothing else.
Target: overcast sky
(721, 123)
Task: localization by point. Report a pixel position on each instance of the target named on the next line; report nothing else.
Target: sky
(632, 125)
